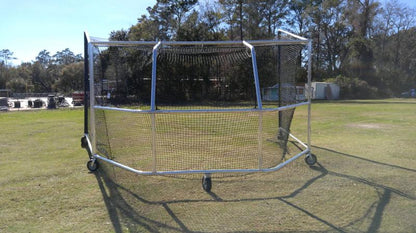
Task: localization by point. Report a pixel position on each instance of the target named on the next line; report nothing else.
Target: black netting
(204, 77)
(207, 77)
(123, 75)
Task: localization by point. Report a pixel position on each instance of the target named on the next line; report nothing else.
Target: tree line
(60, 73)
(367, 47)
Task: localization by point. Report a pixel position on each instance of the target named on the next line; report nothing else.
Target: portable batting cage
(187, 107)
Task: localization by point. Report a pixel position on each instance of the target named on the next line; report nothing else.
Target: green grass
(364, 181)
(44, 184)
(229, 140)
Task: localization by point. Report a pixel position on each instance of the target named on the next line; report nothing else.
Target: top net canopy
(183, 75)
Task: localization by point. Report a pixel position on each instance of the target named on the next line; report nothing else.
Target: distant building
(272, 93)
(325, 91)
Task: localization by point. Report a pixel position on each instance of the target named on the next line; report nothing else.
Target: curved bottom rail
(92, 164)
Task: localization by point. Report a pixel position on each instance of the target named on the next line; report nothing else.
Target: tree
(169, 16)
(66, 57)
(359, 41)
(201, 27)
(16, 85)
(71, 78)
(20, 80)
(395, 41)
(361, 14)
(298, 18)
(120, 35)
(265, 17)
(212, 19)
(6, 55)
(324, 22)
(3, 79)
(334, 34)
(41, 73)
(44, 58)
(146, 29)
(233, 12)
(192, 29)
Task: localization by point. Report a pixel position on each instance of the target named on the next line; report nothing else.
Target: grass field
(191, 141)
(364, 180)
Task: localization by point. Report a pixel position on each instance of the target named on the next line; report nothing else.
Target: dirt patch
(367, 126)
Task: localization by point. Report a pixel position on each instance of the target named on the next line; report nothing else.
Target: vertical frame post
(259, 103)
(92, 96)
(279, 76)
(154, 67)
(255, 73)
(153, 104)
(86, 84)
(309, 92)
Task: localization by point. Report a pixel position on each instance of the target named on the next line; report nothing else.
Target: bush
(354, 88)
(16, 85)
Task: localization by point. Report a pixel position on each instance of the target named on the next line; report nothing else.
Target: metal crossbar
(89, 140)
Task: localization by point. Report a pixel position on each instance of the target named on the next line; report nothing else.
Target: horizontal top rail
(101, 42)
(152, 43)
(292, 35)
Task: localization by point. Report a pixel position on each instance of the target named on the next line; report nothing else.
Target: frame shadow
(122, 202)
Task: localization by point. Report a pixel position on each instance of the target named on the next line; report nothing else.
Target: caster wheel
(84, 143)
(206, 184)
(92, 165)
(311, 159)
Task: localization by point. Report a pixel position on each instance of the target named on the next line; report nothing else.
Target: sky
(30, 26)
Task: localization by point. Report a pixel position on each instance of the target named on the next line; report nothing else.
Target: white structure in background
(325, 91)
(272, 93)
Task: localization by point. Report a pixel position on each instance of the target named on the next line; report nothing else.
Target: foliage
(349, 37)
(61, 72)
(354, 88)
(6, 55)
(71, 78)
(367, 40)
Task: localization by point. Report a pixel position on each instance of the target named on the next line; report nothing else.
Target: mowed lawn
(364, 180)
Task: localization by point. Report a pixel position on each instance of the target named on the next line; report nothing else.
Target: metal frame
(89, 137)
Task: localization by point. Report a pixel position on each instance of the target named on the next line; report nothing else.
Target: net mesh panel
(194, 77)
(122, 75)
(289, 60)
(206, 76)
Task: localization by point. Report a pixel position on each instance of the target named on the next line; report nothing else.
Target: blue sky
(29, 26)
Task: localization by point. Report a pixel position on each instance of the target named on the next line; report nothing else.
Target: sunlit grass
(43, 179)
(364, 181)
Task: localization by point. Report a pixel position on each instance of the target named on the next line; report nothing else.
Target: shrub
(354, 88)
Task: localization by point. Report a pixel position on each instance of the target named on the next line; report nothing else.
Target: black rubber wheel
(311, 159)
(206, 184)
(84, 143)
(92, 165)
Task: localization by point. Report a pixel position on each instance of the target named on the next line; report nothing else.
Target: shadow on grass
(364, 159)
(122, 203)
(117, 205)
(385, 192)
